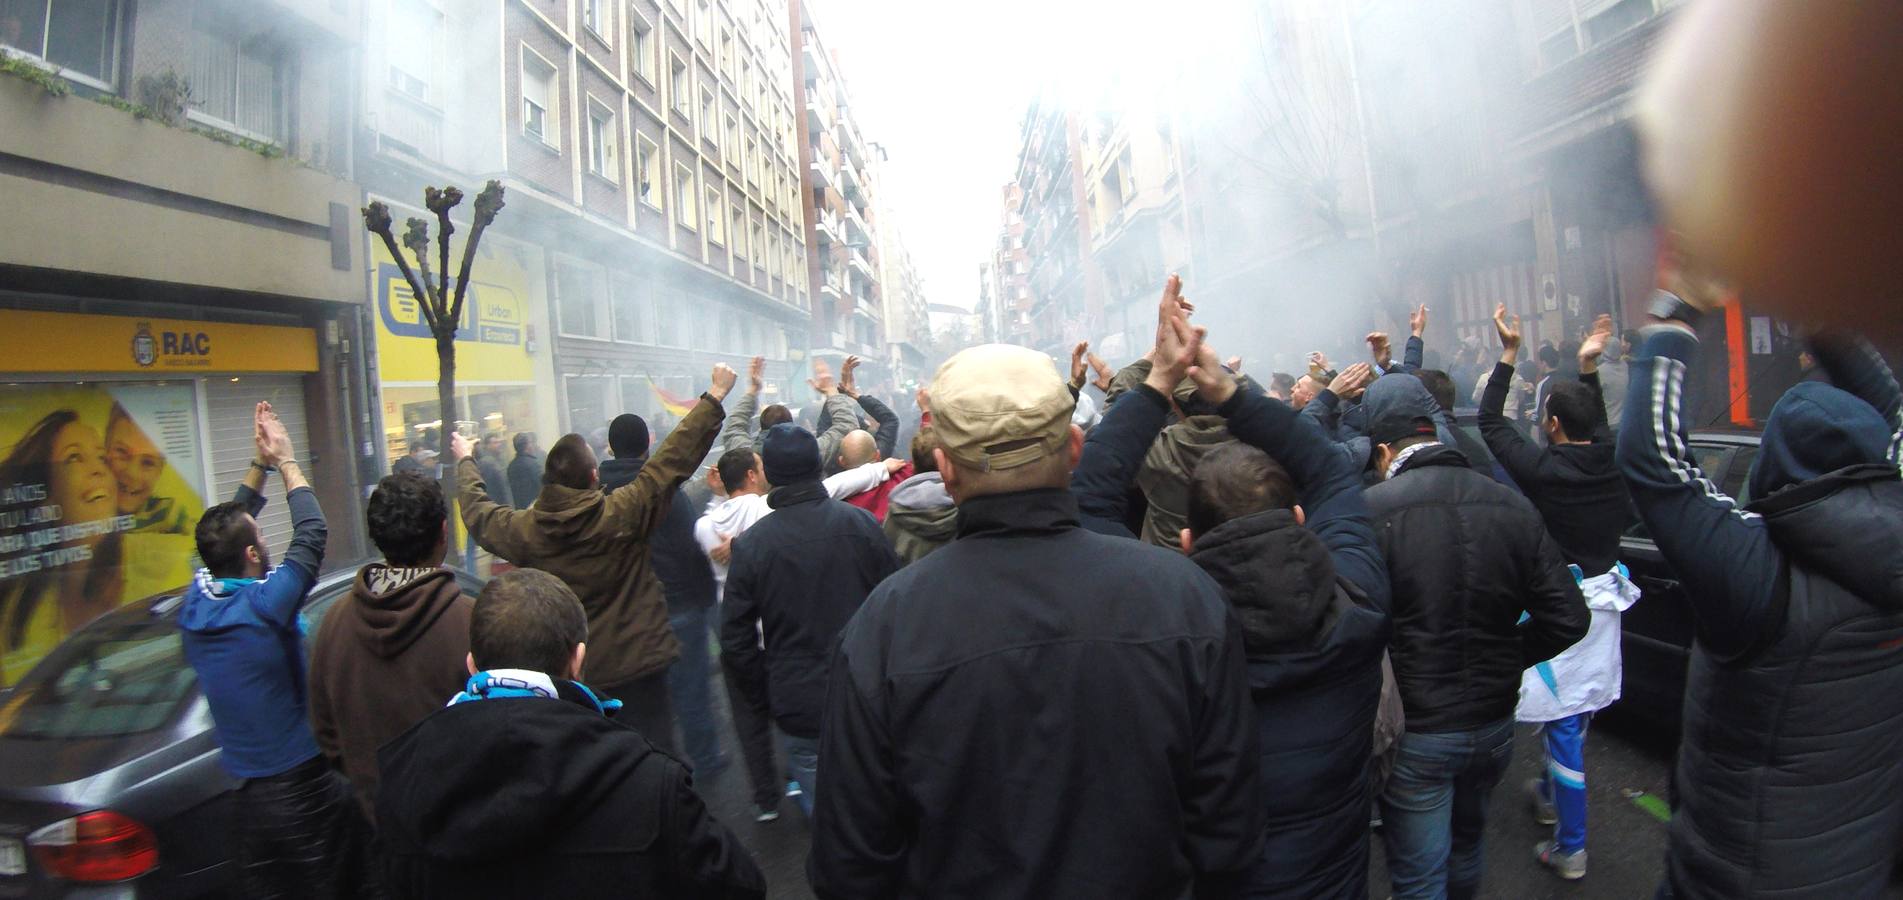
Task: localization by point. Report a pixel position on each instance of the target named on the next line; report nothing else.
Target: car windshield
(111, 680)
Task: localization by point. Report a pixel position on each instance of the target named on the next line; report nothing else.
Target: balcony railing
(411, 124)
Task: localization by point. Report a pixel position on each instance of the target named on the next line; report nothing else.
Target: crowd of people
(1147, 632)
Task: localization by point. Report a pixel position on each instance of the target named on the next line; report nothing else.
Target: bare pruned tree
(440, 300)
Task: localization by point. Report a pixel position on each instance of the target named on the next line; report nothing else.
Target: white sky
(944, 87)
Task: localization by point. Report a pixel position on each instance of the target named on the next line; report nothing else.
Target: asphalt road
(1626, 842)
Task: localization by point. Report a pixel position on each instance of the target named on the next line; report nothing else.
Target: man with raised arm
(1790, 774)
(598, 543)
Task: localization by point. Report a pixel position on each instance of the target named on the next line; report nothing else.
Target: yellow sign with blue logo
(68, 342)
(492, 341)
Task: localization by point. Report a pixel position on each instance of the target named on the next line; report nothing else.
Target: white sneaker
(1543, 811)
(1570, 866)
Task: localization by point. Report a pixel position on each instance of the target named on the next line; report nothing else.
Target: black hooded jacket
(1314, 647)
(687, 579)
(1466, 556)
(538, 797)
(1790, 776)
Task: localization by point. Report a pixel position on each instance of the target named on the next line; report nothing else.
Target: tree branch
(376, 220)
(488, 203)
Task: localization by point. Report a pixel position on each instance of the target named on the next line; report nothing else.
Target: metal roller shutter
(230, 404)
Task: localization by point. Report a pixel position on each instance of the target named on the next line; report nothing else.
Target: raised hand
(1594, 345)
(924, 400)
(1379, 348)
(1418, 321)
(1353, 381)
(1177, 344)
(724, 379)
(1215, 382)
(274, 442)
(460, 447)
(1101, 374)
(1079, 370)
(1509, 334)
(756, 375)
(846, 385)
(1318, 365)
(822, 380)
(1234, 365)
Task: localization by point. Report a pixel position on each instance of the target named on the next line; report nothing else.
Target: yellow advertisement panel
(100, 488)
(491, 342)
(66, 342)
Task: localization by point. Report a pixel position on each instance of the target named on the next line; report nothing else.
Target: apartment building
(181, 244)
(837, 165)
(652, 226)
(1008, 273)
(1065, 285)
(908, 334)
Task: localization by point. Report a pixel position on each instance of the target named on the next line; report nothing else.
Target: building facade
(184, 245)
(652, 226)
(837, 165)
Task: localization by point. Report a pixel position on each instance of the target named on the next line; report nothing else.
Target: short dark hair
(1572, 404)
(224, 533)
(571, 463)
(774, 415)
(923, 443)
(406, 517)
(1630, 336)
(1233, 481)
(1549, 356)
(734, 466)
(1282, 383)
(1440, 385)
(628, 436)
(523, 441)
(526, 619)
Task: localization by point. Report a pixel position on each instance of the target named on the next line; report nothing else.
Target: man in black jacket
(1035, 711)
(524, 787)
(795, 578)
(1465, 556)
(1575, 484)
(1790, 775)
(687, 581)
(1311, 592)
(525, 471)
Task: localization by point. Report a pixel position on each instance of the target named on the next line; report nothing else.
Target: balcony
(861, 265)
(823, 174)
(856, 230)
(826, 229)
(407, 123)
(849, 182)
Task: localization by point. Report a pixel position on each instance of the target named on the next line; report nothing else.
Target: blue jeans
(1434, 810)
(802, 759)
(690, 686)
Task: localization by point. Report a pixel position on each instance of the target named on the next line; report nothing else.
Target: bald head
(857, 449)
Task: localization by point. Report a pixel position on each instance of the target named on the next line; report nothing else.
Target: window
(709, 126)
(704, 23)
(415, 32)
(589, 397)
(1617, 18)
(633, 313)
(733, 136)
(716, 220)
(598, 16)
(746, 86)
(773, 255)
(236, 82)
(602, 141)
(759, 239)
(81, 37)
(677, 89)
(541, 119)
(739, 232)
(647, 163)
(726, 53)
(643, 44)
(579, 293)
(684, 208)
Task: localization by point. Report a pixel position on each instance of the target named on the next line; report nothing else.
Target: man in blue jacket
(1790, 773)
(244, 635)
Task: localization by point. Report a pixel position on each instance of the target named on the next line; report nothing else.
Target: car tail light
(96, 846)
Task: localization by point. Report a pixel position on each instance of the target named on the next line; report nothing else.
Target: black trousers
(647, 706)
(299, 834)
(753, 726)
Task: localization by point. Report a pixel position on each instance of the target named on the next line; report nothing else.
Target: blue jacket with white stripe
(1790, 775)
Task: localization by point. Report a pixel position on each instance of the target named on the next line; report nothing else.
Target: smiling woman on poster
(65, 547)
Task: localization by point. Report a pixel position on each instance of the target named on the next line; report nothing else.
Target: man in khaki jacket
(598, 544)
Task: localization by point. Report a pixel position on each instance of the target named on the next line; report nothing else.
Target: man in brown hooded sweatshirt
(391, 652)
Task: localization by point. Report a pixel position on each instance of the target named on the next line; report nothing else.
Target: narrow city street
(1628, 775)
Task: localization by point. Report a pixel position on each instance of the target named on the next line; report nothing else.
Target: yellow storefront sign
(492, 342)
(67, 342)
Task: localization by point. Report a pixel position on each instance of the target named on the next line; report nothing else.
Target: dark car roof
(116, 690)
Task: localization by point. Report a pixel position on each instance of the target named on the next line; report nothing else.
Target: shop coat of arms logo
(145, 349)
